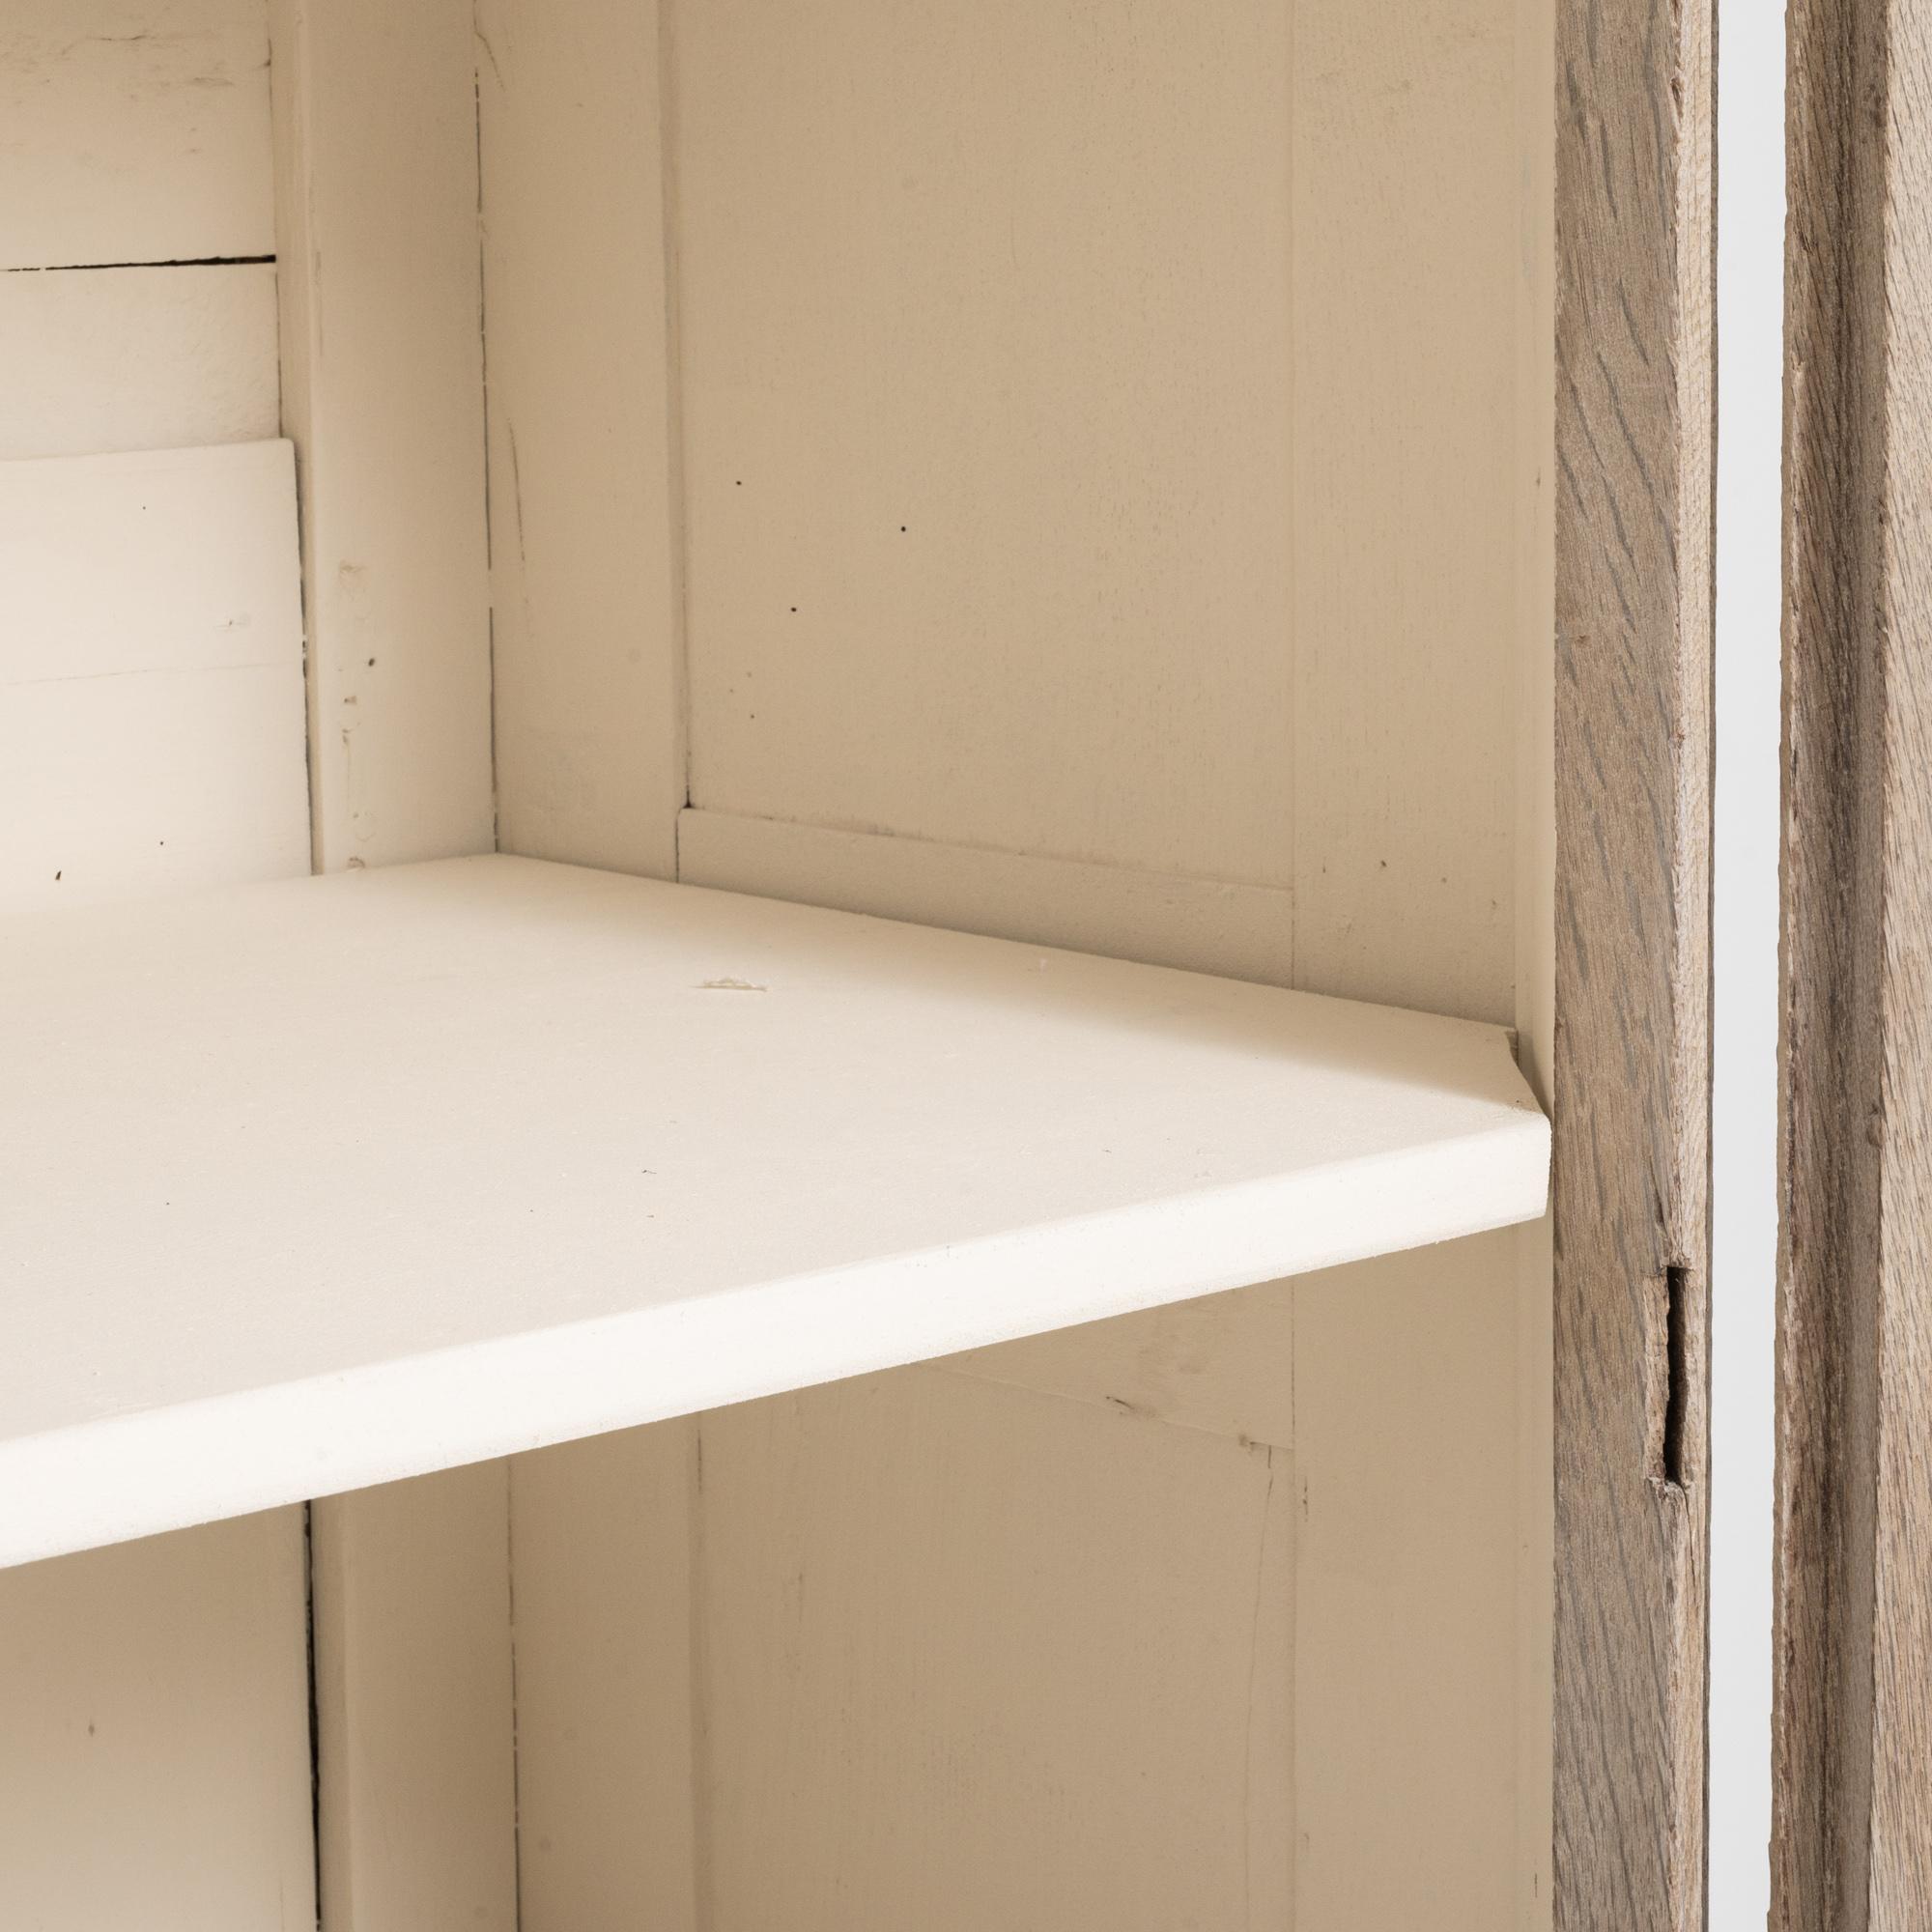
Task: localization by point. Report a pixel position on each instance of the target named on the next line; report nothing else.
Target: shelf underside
(313, 1185)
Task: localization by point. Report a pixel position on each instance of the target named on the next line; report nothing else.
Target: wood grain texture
(1634, 426)
(1851, 1841)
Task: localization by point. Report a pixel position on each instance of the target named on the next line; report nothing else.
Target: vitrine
(989, 705)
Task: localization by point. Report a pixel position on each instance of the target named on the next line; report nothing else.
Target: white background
(1750, 280)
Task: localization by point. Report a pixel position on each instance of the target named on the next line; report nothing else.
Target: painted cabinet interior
(1071, 470)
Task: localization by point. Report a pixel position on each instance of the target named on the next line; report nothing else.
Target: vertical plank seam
(1296, 1517)
(701, 1902)
(314, 1714)
(1292, 535)
(478, 44)
(698, 1646)
(674, 426)
(1254, 1666)
(297, 303)
(516, 1723)
(1297, 1510)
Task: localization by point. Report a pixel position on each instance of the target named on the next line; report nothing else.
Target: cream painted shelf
(312, 1185)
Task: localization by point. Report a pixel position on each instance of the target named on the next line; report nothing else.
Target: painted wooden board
(987, 508)
(587, 539)
(1344, 725)
(151, 697)
(139, 359)
(617, 1149)
(1224, 1363)
(1202, 926)
(154, 1735)
(155, 1761)
(990, 1659)
(602, 1545)
(414, 1712)
(1534, 851)
(381, 285)
(133, 130)
(1390, 1364)
(381, 289)
(1408, 498)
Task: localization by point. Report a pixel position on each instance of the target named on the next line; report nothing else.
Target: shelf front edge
(141, 1474)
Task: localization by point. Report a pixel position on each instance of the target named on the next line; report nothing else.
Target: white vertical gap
(1750, 311)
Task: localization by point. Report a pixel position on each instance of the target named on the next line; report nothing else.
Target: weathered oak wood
(1852, 1843)
(1633, 603)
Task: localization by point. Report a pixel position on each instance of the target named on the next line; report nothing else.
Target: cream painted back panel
(139, 359)
(1016, 1662)
(376, 169)
(1105, 446)
(154, 1697)
(154, 1736)
(1101, 446)
(133, 130)
(151, 675)
(585, 644)
(383, 392)
(1411, 243)
(986, 391)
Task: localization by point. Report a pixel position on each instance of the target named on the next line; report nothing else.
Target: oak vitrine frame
(1636, 425)
(1852, 1830)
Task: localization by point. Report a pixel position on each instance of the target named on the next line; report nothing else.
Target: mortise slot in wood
(178, 261)
(1669, 1375)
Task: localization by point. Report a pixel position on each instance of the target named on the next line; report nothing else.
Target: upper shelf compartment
(312, 1185)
